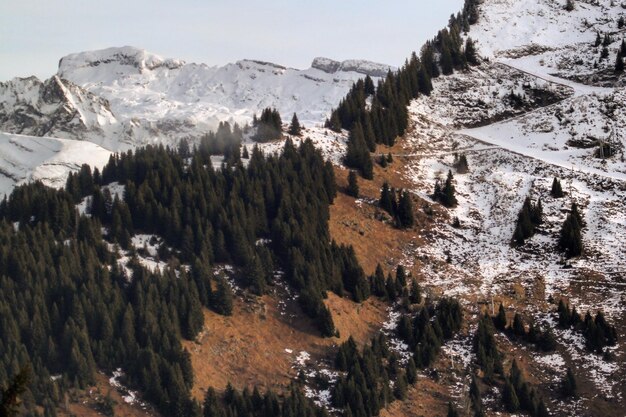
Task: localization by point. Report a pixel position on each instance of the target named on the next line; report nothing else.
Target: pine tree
(568, 385)
(619, 62)
(452, 412)
(598, 40)
(357, 154)
(353, 185)
(223, 298)
(294, 128)
(509, 397)
(10, 397)
(569, 5)
(556, 191)
(500, 321)
(471, 55)
(570, 240)
(386, 199)
(405, 211)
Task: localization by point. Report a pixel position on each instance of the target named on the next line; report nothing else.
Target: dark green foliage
(500, 321)
(69, 308)
(606, 41)
(518, 395)
(452, 410)
(598, 333)
(294, 128)
(415, 293)
(556, 191)
(225, 141)
(387, 117)
(222, 300)
(358, 154)
(518, 326)
(528, 218)
(387, 199)
(604, 53)
(425, 336)
(269, 126)
(460, 164)
(476, 398)
(569, 5)
(445, 194)
(10, 396)
(598, 40)
(245, 404)
(485, 347)
(509, 398)
(619, 62)
(405, 217)
(570, 239)
(568, 384)
(353, 185)
(364, 388)
(471, 55)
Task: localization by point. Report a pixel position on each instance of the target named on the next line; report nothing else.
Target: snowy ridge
(27, 158)
(186, 99)
(561, 41)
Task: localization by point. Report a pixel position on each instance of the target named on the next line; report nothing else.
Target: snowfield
(27, 158)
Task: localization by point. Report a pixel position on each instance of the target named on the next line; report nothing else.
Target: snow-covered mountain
(124, 97)
(545, 34)
(30, 158)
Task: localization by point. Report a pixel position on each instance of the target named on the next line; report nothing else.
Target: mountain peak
(126, 56)
(331, 66)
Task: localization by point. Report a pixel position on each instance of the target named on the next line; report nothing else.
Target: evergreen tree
(568, 385)
(556, 191)
(386, 199)
(570, 240)
(357, 154)
(509, 398)
(353, 185)
(294, 128)
(619, 62)
(452, 412)
(569, 5)
(405, 211)
(10, 396)
(223, 298)
(471, 55)
(446, 194)
(500, 321)
(598, 40)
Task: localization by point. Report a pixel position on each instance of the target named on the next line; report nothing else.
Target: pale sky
(35, 34)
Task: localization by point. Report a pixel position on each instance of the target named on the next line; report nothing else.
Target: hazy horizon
(35, 36)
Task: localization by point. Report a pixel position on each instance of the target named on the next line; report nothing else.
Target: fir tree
(569, 5)
(619, 62)
(556, 191)
(223, 298)
(353, 185)
(452, 410)
(509, 398)
(10, 396)
(294, 128)
(568, 384)
(500, 321)
(357, 154)
(598, 40)
(405, 211)
(471, 55)
(386, 199)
